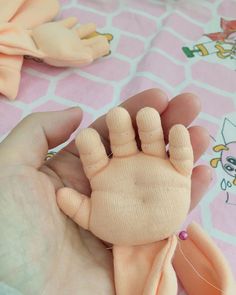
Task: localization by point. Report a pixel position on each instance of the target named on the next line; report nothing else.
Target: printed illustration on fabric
(222, 45)
(225, 160)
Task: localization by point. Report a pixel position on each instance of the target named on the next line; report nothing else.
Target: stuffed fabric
(25, 29)
(26, 14)
(139, 200)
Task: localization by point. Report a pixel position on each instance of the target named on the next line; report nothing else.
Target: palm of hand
(137, 197)
(44, 245)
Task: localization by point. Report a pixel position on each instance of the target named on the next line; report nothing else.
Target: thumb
(29, 141)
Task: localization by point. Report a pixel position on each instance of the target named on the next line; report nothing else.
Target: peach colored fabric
(10, 68)
(56, 43)
(208, 261)
(18, 11)
(144, 194)
(139, 200)
(145, 269)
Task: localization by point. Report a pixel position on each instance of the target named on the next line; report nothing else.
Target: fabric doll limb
(84, 30)
(150, 270)
(16, 41)
(96, 45)
(66, 48)
(151, 133)
(172, 112)
(9, 10)
(28, 13)
(129, 167)
(121, 133)
(76, 205)
(94, 158)
(216, 269)
(10, 68)
(129, 160)
(181, 153)
(201, 267)
(35, 12)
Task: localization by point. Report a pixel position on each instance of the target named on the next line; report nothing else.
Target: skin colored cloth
(25, 30)
(21, 12)
(139, 200)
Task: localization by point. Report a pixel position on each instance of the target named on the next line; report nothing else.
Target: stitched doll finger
(153, 97)
(92, 151)
(85, 30)
(74, 205)
(151, 133)
(99, 47)
(180, 148)
(93, 40)
(69, 22)
(121, 132)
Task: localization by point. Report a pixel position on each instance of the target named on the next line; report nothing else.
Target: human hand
(138, 197)
(43, 251)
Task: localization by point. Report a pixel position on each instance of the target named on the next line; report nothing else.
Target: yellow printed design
(222, 44)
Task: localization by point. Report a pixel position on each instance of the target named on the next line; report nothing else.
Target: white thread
(197, 273)
(194, 269)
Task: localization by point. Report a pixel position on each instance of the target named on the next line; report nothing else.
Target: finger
(200, 140)
(80, 57)
(154, 98)
(201, 179)
(74, 205)
(181, 153)
(99, 48)
(85, 30)
(69, 22)
(92, 152)
(182, 109)
(92, 41)
(121, 133)
(29, 141)
(151, 133)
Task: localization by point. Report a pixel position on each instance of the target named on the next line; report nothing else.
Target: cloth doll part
(56, 43)
(26, 14)
(153, 269)
(145, 195)
(25, 29)
(139, 200)
(201, 267)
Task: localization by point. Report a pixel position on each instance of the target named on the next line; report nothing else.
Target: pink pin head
(183, 235)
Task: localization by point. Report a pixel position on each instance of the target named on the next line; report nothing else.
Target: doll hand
(57, 43)
(138, 197)
(63, 45)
